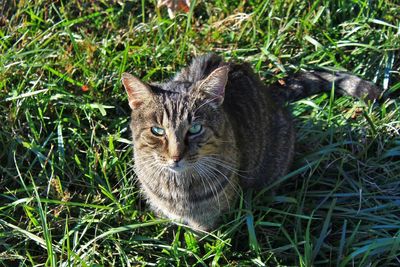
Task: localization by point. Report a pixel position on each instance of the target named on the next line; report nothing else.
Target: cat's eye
(195, 129)
(157, 131)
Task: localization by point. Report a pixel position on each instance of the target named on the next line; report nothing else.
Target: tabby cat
(213, 128)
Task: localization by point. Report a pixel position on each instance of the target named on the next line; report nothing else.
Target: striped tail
(304, 84)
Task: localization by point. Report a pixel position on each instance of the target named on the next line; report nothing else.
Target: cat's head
(175, 124)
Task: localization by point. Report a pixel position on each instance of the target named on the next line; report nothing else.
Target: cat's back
(243, 84)
(245, 88)
(262, 126)
(200, 68)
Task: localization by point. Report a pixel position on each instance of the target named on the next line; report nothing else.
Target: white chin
(177, 169)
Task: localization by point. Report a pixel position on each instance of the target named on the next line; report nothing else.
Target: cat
(215, 128)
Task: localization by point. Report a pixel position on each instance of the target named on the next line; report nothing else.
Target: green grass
(67, 190)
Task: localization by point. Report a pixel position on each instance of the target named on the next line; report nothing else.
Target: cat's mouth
(178, 167)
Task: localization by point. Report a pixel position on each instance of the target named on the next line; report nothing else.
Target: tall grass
(68, 194)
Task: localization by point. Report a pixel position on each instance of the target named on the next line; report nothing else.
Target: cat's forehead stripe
(175, 111)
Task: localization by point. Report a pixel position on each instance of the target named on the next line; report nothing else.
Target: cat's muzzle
(177, 166)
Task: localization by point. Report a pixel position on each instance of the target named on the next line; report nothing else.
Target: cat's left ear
(138, 92)
(213, 87)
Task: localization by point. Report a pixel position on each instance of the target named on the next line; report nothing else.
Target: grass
(67, 190)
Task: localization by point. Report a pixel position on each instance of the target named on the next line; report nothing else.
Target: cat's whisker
(201, 179)
(143, 158)
(144, 161)
(227, 165)
(151, 167)
(220, 185)
(214, 183)
(129, 173)
(155, 170)
(233, 185)
(209, 166)
(205, 103)
(150, 161)
(203, 174)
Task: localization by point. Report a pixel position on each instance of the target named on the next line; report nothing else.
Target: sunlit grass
(68, 195)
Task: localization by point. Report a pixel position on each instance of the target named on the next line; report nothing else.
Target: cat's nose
(176, 159)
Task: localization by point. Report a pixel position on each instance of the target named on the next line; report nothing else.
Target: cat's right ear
(138, 92)
(214, 85)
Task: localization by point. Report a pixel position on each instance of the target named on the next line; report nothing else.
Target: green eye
(157, 131)
(195, 129)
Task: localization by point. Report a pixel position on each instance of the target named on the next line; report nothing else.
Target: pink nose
(176, 158)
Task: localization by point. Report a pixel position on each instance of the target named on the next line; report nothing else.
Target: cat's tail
(307, 83)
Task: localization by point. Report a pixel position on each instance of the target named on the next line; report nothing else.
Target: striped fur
(247, 138)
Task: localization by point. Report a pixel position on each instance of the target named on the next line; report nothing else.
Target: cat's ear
(138, 92)
(213, 87)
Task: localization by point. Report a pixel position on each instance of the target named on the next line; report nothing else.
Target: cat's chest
(164, 184)
(190, 186)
